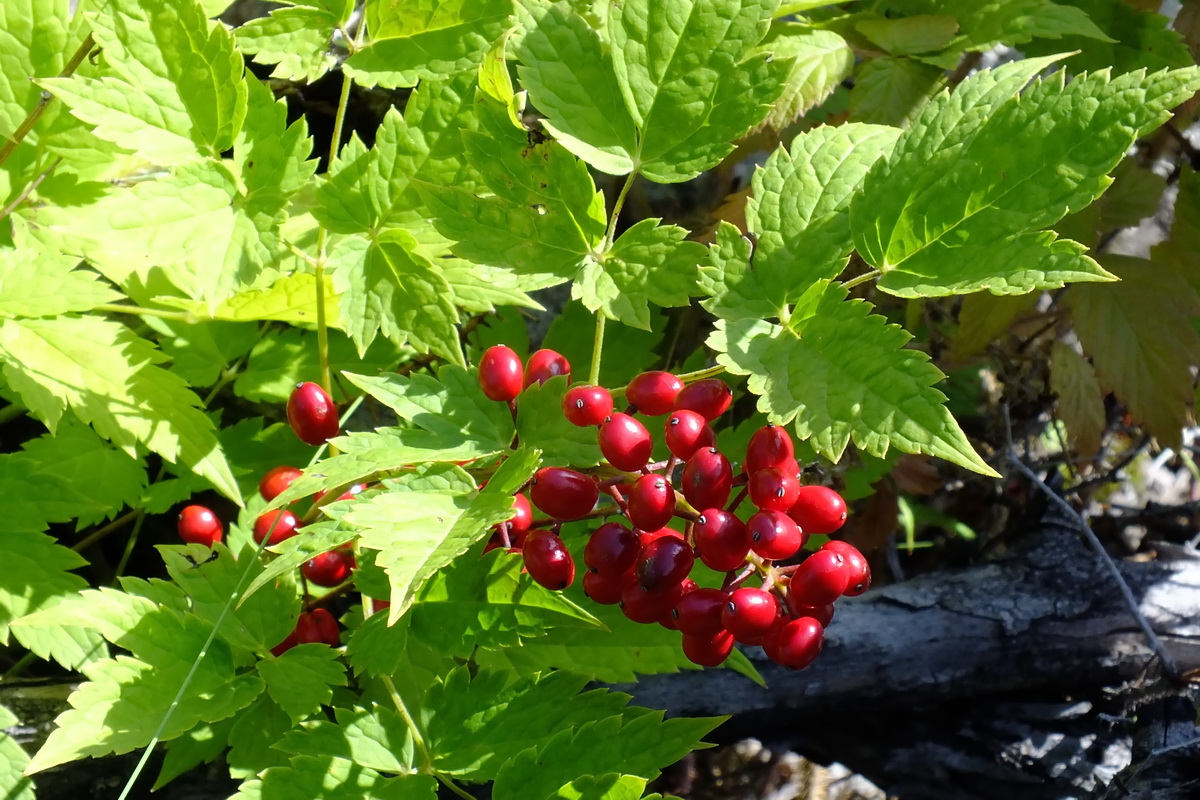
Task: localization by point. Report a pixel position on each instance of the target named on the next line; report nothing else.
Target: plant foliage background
(176, 254)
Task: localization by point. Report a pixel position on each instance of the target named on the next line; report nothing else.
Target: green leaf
(290, 554)
(386, 287)
(841, 374)
(800, 210)
(329, 778)
(253, 737)
(1080, 403)
(544, 216)
(496, 82)
(637, 742)
(108, 378)
(296, 40)
(301, 679)
(892, 91)
(201, 352)
(291, 299)
(959, 187)
(35, 283)
(649, 263)
(200, 745)
(375, 738)
(177, 91)
(36, 579)
(13, 761)
(290, 356)
(416, 40)
(736, 291)
(903, 36)
(541, 424)
(821, 60)
(479, 288)
(1129, 38)
(611, 786)
(35, 42)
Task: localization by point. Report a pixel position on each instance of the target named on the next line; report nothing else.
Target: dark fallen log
(1019, 678)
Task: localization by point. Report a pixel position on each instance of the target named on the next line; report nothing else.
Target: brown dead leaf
(916, 474)
(870, 529)
(732, 210)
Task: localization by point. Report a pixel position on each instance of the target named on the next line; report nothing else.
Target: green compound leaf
(1130, 38)
(841, 374)
(291, 299)
(900, 36)
(253, 736)
(735, 290)
(107, 376)
(369, 190)
(387, 287)
(638, 741)
(35, 43)
(13, 761)
(892, 91)
(302, 679)
(821, 60)
(800, 209)
(959, 198)
(178, 89)
(416, 40)
(201, 745)
(330, 778)
(296, 40)
(541, 424)
(649, 263)
(375, 738)
(35, 283)
(544, 214)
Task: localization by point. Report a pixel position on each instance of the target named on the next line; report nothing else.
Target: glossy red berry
(312, 414)
(708, 650)
(821, 579)
(686, 432)
(663, 562)
(707, 479)
(603, 589)
(710, 398)
(500, 373)
(519, 522)
(625, 442)
(856, 567)
(699, 612)
(563, 493)
(329, 569)
(653, 393)
(818, 509)
(646, 537)
(548, 561)
(770, 446)
(199, 525)
(646, 607)
(317, 626)
(822, 614)
(276, 480)
(772, 489)
(544, 365)
(612, 550)
(651, 502)
(774, 535)
(749, 614)
(275, 526)
(722, 540)
(797, 643)
(587, 405)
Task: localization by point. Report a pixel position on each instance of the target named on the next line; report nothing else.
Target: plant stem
(35, 114)
(100, 533)
(418, 739)
(139, 311)
(611, 233)
(28, 190)
(131, 542)
(861, 279)
(597, 350)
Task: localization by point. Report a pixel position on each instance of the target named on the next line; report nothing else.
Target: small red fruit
(587, 405)
(653, 393)
(312, 414)
(612, 550)
(651, 502)
(722, 540)
(663, 562)
(318, 626)
(699, 612)
(818, 509)
(522, 518)
(548, 560)
(770, 446)
(544, 365)
(563, 493)
(707, 479)
(329, 569)
(772, 489)
(856, 566)
(821, 579)
(822, 614)
(500, 373)
(603, 589)
(625, 442)
(774, 535)
(275, 526)
(686, 432)
(710, 398)
(646, 607)
(199, 525)
(708, 650)
(276, 480)
(749, 614)
(797, 643)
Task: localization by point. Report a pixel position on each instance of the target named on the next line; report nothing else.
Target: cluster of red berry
(645, 566)
(314, 418)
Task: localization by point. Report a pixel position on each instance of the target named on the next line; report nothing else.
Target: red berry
(500, 373)
(563, 493)
(653, 393)
(587, 405)
(548, 561)
(612, 550)
(519, 522)
(722, 540)
(820, 580)
(708, 650)
(749, 614)
(770, 446)
(329, 569)
(317, 626)
(625, 442)
(288, 643)
(276, 480)
(603, 589)
(663, 562)
(699, 612)
(646, 607)
(277, 525)
(199, 525)
(797, 643)
(707, 479)
(822, 614)
(773, 535)
(856, 565)
(312, 414)
(686, 432)
(772, 489)
(818, 509)
(544, 365)
(651, 502)
(709, 398)
(646, 537)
